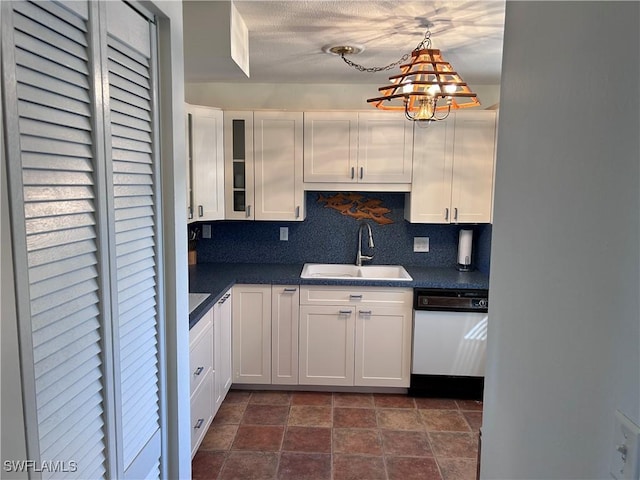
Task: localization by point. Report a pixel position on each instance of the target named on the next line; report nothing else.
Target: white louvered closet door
(79, 109)
(131, 147)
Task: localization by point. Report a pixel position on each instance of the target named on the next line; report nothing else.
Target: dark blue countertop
(217, 278)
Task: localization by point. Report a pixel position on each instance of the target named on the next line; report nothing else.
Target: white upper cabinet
(330, 146)
(357, 147)
(238, 165)
(263, 166)
(453, 170)
(385, 148)
(278, 165)
(206, 163)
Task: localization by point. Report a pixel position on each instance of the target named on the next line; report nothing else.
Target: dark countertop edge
(218, 278)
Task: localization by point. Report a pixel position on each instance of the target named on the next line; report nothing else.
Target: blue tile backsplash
(327, 236)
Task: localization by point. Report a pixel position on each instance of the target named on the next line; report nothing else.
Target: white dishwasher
(449, 343)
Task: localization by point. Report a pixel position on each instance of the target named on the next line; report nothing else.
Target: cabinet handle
(455, 214)
(200, 211)
(353, 172)
(446, 214)
(298, 212)
(190, 213)
(365, 312)
(290, 290)
(198, 371)
(248, 211)
(224, 299)
(199, 423)
(344, 312)
(361, 172)
(353, 295)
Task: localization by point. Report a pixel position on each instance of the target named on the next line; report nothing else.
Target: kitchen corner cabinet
(357, 147)
(251, 334)
(355, 336)
(453, 170)
(203, 379)
(205, 154)
(263, 166)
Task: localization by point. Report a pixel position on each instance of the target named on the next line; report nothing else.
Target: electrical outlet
(420, 244)
(206, 231)
(284, 233)
(626, 449)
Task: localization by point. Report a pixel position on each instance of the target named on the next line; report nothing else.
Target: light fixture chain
(425, 43)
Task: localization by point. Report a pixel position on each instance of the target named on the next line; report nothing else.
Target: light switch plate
(206, 231)
(284, 233)
(626, 449)
(420, 244)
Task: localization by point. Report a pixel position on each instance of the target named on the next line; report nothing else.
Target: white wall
(564, 334)
(295, 96)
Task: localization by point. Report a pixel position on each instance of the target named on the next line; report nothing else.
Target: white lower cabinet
(322, 335)
(349, 337)
(252, 334)
(210, 365)
(326, 345)
(285, 308)
(202, 378)
(222, 349)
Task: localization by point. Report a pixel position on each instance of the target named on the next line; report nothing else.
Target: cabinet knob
(198, 371)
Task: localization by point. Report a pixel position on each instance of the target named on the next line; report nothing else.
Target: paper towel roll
(464, 247)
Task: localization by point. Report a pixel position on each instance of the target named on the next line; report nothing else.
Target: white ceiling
(286, 38)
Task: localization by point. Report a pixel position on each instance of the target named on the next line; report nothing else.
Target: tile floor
(340, 436)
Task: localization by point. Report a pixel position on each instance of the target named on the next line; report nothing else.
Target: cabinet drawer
(201, 411)
(201, 357)
(337, 295)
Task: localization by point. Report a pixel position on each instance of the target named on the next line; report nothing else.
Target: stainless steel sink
(195, 299)
(353, 272)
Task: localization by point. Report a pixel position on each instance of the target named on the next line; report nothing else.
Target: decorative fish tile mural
(357, 206)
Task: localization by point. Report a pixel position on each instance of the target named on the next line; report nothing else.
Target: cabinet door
(207, 179)
(238, 165)
(383, 346)
(385, 148)
(201, 350)
(285, 310)
(252, 334)
(278, 166)
(430, 197)
(473, 165)
(330, 147)
(222, 314)
(326, 345)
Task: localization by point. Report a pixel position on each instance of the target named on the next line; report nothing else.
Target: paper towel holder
(465, 241)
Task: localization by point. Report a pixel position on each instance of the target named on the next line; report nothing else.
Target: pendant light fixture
(427, 87)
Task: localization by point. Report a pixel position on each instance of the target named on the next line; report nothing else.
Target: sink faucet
(359, 256)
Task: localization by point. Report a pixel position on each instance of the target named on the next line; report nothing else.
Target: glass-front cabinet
(239, 177)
